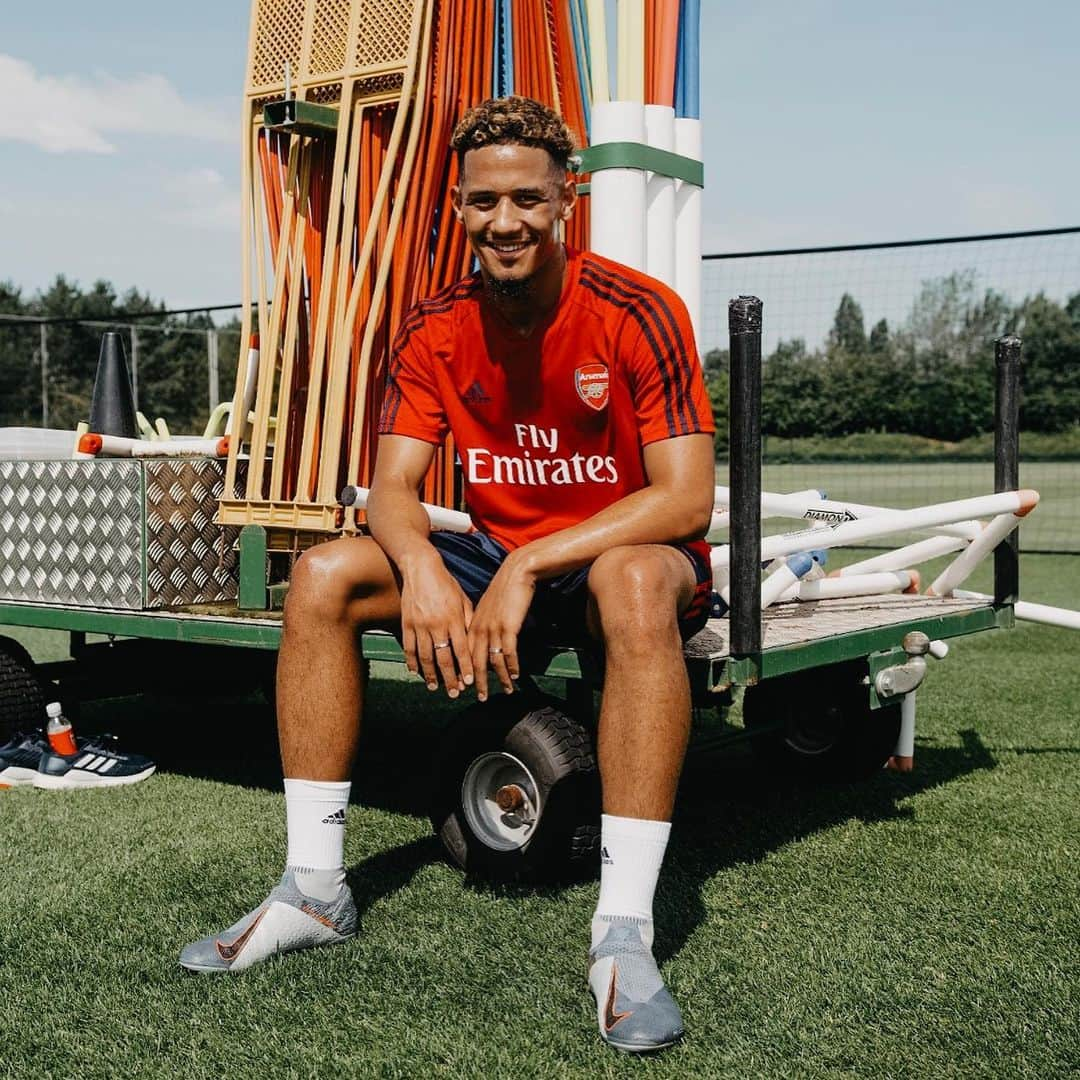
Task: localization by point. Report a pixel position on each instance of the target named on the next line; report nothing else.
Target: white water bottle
(59, 731)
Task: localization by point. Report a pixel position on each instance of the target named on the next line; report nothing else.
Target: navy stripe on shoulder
(665, 319)
(633, 306)
(441, 302)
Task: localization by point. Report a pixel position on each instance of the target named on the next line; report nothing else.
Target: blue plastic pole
(688, 61)
(581, 52)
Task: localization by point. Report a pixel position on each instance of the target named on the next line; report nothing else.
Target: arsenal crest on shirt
(591, 381)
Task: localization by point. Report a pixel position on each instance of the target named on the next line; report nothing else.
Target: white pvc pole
(688, 200)
(721, 519)
(1037, 613)
(834, 588)
(439, 516)
(960, 569)
(888, 523)
(911, 555)
(247, 398)
(617, 196)
(904, 754)
(179, 448)
(660, 198)
(92, 444)
(834, 512)
(786, 577)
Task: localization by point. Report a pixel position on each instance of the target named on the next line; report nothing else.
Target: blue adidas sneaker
(98, 763)
(20, 757)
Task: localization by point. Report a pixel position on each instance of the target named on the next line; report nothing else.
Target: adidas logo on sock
(336, 818)
(605, 858)
(475, 395)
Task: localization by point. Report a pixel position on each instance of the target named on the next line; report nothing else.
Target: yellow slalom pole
(630, 77)
(598, 71)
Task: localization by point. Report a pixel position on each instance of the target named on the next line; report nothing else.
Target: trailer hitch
(902, 680)
(898, 679)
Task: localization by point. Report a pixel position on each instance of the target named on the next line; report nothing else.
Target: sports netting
(915, 313)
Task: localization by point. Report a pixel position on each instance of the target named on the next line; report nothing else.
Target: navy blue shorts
(558, 608)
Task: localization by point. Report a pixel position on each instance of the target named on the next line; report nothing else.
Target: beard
(510, 288)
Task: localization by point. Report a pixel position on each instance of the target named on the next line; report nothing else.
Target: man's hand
(435, 619)
(496, 623)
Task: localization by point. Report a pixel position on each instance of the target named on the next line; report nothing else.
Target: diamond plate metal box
(115, 533)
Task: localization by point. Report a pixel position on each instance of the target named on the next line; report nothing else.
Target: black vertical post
(1007, 461)
(744, 324)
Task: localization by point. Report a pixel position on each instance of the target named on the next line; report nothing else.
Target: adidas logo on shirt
(475, 395)
(605, 858)
(336, 818)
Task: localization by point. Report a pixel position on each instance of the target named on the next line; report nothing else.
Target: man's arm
(675, 506)
(434, 609)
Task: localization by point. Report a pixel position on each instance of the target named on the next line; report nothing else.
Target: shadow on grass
(729, 810)
(234, 740)
(390, 871)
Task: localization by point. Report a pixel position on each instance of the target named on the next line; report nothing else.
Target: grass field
(916, 926)
(1054, 526)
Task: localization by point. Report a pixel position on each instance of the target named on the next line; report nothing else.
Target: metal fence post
(1007, 352)
(212, 367)
(134, 366)
(44, 374)
(744, 325)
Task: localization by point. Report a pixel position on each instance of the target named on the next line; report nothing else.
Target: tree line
(172, 363)
(933, 375)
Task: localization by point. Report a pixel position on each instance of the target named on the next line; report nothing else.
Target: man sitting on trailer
(573, 391)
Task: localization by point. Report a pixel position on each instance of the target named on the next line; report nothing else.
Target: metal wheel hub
(493, 781)
(814, 732)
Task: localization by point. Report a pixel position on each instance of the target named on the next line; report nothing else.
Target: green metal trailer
(141, 563)
(517, 793)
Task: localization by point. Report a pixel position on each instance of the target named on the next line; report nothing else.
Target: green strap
(630, 155)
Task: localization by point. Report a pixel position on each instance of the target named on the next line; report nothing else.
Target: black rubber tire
(818, 726)
(558, 751)
(22, 697)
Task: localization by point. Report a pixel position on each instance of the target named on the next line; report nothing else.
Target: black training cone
(112, 408)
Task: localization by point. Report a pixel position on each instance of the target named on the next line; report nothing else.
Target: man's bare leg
(636, 595)
(337, 590)
(645, 711)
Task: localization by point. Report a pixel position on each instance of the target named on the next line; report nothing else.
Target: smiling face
(511, 200)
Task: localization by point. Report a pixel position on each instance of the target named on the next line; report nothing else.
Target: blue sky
(825, 122)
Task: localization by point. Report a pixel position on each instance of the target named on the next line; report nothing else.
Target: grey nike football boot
(633, 1010)
(288, 919)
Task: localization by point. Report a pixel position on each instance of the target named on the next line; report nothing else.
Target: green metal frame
(300, 117)
(209, 625)
(251, 591)
(631, 155)
(878, 640)
(222, 624)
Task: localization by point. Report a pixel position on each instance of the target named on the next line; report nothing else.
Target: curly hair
(520, 121)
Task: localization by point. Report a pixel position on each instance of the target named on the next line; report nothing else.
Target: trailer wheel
(517, 794)
(818, 726)
(22, 699)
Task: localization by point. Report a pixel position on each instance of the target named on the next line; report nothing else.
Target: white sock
(631, 851)
(315, 812)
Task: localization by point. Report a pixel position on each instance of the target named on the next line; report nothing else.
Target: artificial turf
(917, 925)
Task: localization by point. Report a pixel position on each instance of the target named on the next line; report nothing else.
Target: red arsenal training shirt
(550, 427)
